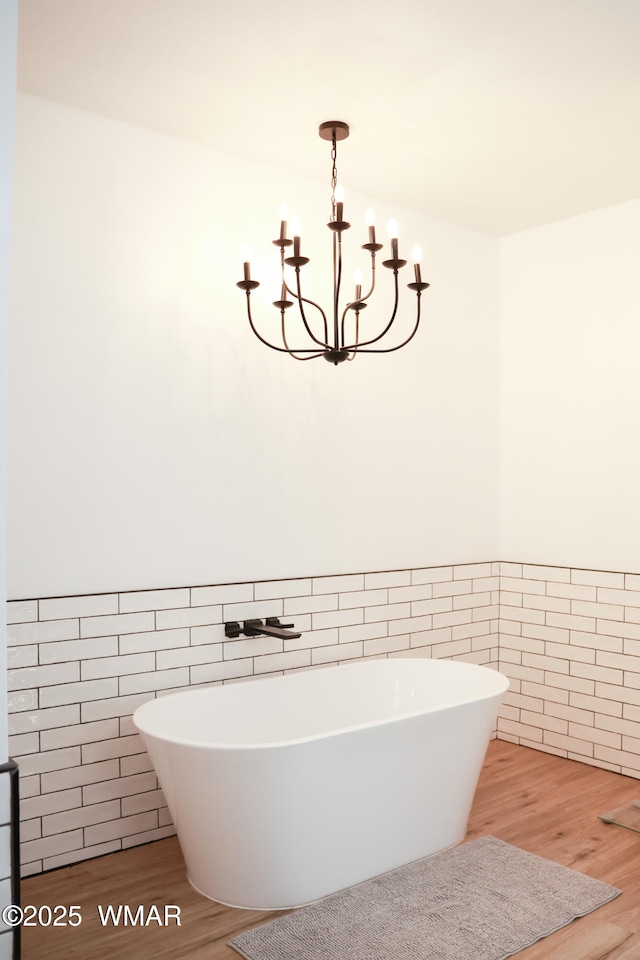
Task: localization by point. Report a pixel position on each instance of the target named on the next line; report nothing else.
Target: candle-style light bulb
(416, 255)
(339, 198)
(245, 255)
(284, 216)
(296, 228)
(357, 279)
(370, 220)
(393, 234)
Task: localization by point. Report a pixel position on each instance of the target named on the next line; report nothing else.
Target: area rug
(484, 900)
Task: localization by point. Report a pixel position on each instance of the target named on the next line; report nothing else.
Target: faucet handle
(232, 629)
(275, 622)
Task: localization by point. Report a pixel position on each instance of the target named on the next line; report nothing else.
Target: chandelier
(336, 337)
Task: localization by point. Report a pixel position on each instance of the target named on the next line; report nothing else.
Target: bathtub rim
(502, 685)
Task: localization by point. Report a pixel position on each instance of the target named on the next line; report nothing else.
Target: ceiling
(498, 115)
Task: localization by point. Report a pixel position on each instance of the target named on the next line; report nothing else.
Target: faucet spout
(271, 627)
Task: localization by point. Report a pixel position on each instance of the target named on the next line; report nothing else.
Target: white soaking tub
(286, 789)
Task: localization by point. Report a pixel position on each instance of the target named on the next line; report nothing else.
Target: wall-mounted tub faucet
(271, 627)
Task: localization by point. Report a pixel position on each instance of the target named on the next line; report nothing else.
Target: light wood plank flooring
(541, 803)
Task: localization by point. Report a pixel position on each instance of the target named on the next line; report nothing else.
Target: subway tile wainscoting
(79, 667)
(569, 639)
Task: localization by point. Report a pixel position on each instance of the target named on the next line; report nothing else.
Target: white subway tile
(508, 569)
(79, 776)
(113, 707)
(455, 618)
(510, 599)
(598, 578)
(29, 786)
(388, 578)
(380, 645)
(597, 672)
(256, 610)
(46, 676)
(510, 627)
(118, 787)
(124, 827)
(342, 651)
(227, 670)
(464, 571)
(517, 729)
(597, 641)
(628, 631)
(410, 625)
(594, 735)
(22, 611)
(557, 604)
(452, 588)
(78, 692)
(67, 650)
(362, 598)
(120, 623)
(75, 856)
(562, 742)
(221, 593)
(50, 846)
(522, 586)
(314, 604)
(109, 749)
(573, 714)
(43, 719)
(136, 763)
(361, 631)
(118, 666)
(282, 661)
(158, 680)
(187, 656)
(600, 610)
(545, 662)
(531, 645)
(27, 633)
(21, 744)
(49, 803)
(453, 648)
(622, 757)
(630, 728)
(315, 638)
(467, 601)
(548, 694)
(628, 598)
(155, 640)
(77, 735)
(596, 704)
(572, 591)
(64, 608)
(210, 633)
(431, 575)
(390, 611)
(48, 760)
(141, 802)
(190, 617)
(274, 589)
(480, 584)
(353, 581)
(469, 630)
(420, 608)
(82, 817)
(149, 836)
(571, 622)
(249, 647)
(632, 581)
(154, 600)
(22, 656)
(337, 618)
(524, 615)
(533, 571)
(421, 591)
(544, 721)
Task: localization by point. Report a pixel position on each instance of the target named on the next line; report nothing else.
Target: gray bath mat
(484, 899)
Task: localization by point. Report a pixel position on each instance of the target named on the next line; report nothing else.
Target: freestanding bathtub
(289, 788)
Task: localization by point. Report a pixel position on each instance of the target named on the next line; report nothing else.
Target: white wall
(154, 442)
(570, 362)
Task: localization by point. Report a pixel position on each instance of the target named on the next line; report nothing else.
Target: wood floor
(541, 803)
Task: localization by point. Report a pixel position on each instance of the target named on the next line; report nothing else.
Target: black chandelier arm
(272, 345)
(354, 352)
(301, 300)
(292, 353)
(368, 343)
(324, 344)
(404, 342)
